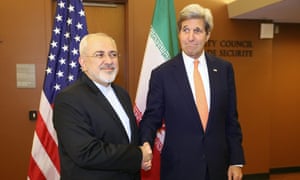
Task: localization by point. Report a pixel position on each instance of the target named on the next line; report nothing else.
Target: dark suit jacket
(188, 153)
(92, 141)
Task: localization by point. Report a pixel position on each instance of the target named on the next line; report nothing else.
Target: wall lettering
(230, 48)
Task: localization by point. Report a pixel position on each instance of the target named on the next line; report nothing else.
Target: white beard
(107, 77)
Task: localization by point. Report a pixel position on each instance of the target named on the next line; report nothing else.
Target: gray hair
(195, 11)
(84, 41)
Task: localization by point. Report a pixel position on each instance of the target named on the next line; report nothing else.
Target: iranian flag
(162, 45)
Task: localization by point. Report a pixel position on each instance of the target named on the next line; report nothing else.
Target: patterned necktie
(201, 101)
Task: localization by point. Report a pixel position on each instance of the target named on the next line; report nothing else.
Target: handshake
(147, 156)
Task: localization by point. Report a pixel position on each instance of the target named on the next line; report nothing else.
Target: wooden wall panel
(25, 33)
(285, 124)
(263, 103)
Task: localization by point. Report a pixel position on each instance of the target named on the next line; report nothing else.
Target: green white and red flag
(162, 45)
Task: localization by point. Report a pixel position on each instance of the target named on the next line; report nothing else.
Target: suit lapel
(104, 103)
(108, 107)
(180, 75)
(127, 106)
(213, 69)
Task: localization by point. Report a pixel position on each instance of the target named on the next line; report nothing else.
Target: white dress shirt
(110, 95)
(202, 67)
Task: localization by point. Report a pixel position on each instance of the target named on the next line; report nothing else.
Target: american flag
(62, 69)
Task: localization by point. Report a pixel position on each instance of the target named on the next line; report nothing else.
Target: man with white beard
(94, 120)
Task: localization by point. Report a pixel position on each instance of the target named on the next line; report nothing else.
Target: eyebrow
(101, 51)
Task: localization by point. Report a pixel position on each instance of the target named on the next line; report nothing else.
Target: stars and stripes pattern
(62, 69)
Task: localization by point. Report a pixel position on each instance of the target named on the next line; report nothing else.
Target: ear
(207, 36)
(82, 63)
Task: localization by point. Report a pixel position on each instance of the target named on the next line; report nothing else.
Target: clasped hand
(147, 156)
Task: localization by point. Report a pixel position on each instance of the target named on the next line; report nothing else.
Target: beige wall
(264, 105)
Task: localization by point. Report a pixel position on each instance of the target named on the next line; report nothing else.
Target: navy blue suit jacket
(188, 152)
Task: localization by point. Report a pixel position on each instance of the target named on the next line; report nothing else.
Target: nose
(108, 59)
(191, 36)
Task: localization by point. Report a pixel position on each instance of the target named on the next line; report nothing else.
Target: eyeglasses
(101, 54)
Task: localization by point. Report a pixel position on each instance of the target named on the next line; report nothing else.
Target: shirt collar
(104, 89)
(188, 60)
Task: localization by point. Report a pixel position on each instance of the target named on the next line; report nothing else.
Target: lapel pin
(215, 70)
